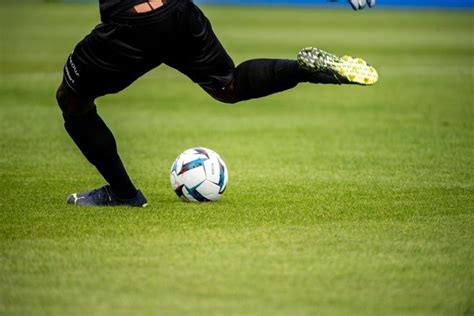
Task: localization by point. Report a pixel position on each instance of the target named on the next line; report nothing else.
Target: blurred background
(382, 3)
(332, 3)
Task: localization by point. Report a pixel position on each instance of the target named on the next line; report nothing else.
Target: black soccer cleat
(104, 196)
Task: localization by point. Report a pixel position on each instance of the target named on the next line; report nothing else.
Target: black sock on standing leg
(97, 143)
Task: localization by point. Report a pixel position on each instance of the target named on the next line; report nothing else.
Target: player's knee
(61, 97)
(224, 95)
(229, 97)
(71, 104)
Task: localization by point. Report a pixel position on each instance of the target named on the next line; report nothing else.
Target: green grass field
(341, 200)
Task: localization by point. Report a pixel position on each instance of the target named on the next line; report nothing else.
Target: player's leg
(207, 63)
(97, 143)
(100, 65)
(258, 78)
(261, 77)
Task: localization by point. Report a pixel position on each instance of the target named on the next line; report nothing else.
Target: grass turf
(342, 200)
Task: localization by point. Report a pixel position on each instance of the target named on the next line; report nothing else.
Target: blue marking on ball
(192, 164)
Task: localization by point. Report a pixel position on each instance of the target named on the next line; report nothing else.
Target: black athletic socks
(97, 143)
(261, 77)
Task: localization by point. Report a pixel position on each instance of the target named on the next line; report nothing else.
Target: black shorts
(119, 51)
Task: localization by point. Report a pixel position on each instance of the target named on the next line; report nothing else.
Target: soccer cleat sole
(347, 69)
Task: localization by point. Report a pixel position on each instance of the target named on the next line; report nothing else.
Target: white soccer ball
(199, 175)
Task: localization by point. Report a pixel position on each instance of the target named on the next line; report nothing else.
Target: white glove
(360, 4)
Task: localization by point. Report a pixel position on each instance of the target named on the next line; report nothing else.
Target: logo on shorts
(73, 66)
(70, 66)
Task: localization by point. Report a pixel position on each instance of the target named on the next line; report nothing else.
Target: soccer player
(136, 36)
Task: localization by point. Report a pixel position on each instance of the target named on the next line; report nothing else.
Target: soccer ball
(199, 175)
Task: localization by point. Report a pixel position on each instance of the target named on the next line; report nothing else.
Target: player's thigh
(199, 54)
(106, 61)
